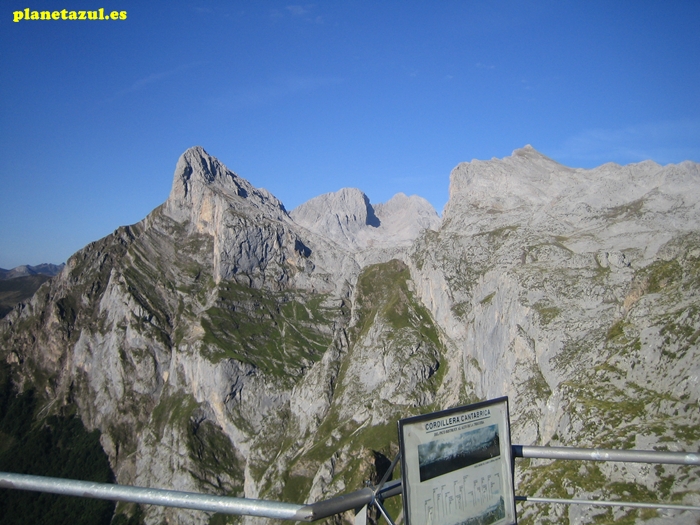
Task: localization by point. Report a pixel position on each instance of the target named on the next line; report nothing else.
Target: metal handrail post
(597, 454)
(166, 498)
(338, 504)
(353, 500)
(604, 503)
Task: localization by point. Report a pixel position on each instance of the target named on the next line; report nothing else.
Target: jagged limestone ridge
(220, 346)
(535, 273)
(372, 233)
(182, 337)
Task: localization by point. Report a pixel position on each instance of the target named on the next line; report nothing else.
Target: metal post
(330, 507)
(167, 498)
(359, 499)
(603, 503)
(596, 454)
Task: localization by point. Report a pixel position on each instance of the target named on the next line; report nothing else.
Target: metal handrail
(603, 503)
(195, 501)
(353, 500)
(338, 504)
(597, 454)
(166, 498)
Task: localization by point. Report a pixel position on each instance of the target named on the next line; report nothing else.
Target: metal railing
(594, 454)
(355, 500)
(204, 502)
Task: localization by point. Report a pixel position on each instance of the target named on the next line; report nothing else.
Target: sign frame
(466, 447)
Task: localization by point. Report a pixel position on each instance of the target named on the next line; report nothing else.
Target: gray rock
(223, 345)
(373, 233)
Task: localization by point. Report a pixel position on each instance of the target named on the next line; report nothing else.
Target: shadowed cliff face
(226, 346)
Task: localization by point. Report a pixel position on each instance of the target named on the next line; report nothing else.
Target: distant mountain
(225, 345)
(26, 270)
(20, 283)
(371, 232)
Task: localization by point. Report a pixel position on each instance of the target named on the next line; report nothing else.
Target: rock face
(373, 233)
(225, 345)
(574, 292)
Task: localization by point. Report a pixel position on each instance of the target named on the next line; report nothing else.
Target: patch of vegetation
(546, 313)
(382, 290)
(567, 479)
(537, 384)
(131, 516)
(57, 446)
(661, 274)
(631, 209)
(214, 456)
(573, 352)
(358, 450)
(428, 237)
(616, 332)
(487, 300)
(604, 403)
(278, 332)
(172, 411)
(608, 410)
(686, 433)
(499, 233)
(630, 517)
(222, 519)
(474, 363)
(558, 478)
(460, 309)
(601, 273)
(370, 450)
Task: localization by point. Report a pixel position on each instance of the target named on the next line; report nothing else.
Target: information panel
(457, 466)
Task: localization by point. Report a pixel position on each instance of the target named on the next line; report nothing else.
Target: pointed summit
(197, 163)
(530, 154)
(200, 181)
(339, 215)
(347, 218)
(527, 148)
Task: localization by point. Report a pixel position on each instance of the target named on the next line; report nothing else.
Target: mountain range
(226, 345)
(20, 283)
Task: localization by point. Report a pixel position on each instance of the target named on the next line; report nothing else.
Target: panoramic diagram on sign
(457, 466)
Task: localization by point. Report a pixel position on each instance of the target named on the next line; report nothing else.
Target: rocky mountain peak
(525, 177)
(195, 162)
(531, 189)
(223, 346)
(202, 181)
(527, 151)
(339, 215)
(401, 201)
(408, 215)
(347, 218)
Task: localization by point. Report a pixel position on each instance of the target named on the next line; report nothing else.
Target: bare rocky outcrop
(540, 275)
(373, 233)
(224, 345)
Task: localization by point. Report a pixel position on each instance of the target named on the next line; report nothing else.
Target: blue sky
(303, 99)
